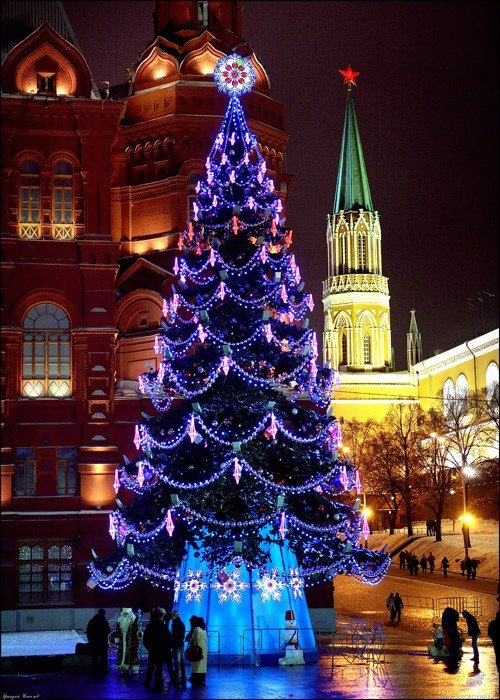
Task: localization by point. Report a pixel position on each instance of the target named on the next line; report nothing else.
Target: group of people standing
(410, 561)
(164, 639)
(469, 566)
(394, 604)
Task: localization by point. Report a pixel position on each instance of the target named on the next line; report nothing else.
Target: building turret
(357, 333)
(413, 342)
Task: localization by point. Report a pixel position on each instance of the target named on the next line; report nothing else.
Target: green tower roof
(353, 191)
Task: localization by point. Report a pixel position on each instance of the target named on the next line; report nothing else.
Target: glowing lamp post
(452, 494)
(466, 517)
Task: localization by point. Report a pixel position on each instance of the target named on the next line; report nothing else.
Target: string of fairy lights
(237, 314)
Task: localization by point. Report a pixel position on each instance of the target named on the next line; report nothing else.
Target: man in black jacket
(178, 635)
(474, 631)
(98, 630)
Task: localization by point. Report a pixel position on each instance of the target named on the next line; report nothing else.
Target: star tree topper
(350, 76)
(234, 75)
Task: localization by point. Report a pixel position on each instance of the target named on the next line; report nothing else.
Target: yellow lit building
(357, 331)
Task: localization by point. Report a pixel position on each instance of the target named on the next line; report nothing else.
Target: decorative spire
(413, 342)
(353, 191)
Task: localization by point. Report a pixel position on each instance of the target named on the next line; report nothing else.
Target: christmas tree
(238, 486)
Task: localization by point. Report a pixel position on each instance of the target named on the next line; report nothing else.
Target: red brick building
(96, 189)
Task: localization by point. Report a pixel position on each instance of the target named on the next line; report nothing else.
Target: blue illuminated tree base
(250, 630)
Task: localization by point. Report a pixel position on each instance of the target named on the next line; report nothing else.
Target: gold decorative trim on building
(63, 232)
(356, 283)
(30, 231)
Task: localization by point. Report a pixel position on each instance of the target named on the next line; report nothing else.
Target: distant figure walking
(390, 605)
(494, 635)
(423, 564)
(398, 605)
(462, 567)
(432, 560)
(402, 560)
(98, 631)
(445, 565)
(474, 631)
(468, 567)
(474, 564)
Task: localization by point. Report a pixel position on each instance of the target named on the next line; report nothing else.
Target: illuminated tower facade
(357, 336)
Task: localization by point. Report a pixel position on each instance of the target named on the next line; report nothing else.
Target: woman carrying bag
(197, 637)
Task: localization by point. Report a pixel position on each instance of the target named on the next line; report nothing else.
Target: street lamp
(452, 493)
(466, 518)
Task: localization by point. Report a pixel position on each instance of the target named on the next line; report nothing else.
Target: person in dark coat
(98, 631)
(398, 605)
(494, 635)
(402, 560)
(445, 565)
(178, 635)
(155, 643)
(474, 631)
(431, 559)
(449, 624)
(474, 563)
(169, 654)
(468, 567)
(423, 564)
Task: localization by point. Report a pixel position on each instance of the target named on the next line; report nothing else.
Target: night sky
(427, 109)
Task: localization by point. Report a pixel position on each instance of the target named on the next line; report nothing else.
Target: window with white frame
(29, 200)
(45, 573)
(448, 397)
(46, 352)
(462, 393)
(62, 201)
(492, 384)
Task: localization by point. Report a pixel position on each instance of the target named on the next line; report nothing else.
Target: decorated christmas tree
(241, 499)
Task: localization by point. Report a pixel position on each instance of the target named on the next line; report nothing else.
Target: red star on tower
(349, 76)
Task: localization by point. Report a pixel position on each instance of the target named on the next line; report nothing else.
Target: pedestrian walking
(468, 567)
(398, 605)
(415, 564)
(462, 567)
(494, 635)
(98, 631)
(155, 641)
(474, 631)
(423, 564)
(389, 604)
(445, 565)
(402, 560)
(432, 560)
(197, 635)
(178, 635)
(474, 564)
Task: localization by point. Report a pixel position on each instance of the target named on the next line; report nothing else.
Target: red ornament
(349, 75)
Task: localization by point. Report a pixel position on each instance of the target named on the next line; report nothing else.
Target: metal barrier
(474, 604)
(359, 640)
(418, 601)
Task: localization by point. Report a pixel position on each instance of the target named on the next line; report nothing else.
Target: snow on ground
(484, 536)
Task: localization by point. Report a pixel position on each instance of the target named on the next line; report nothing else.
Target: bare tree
(434, 479)
(404, 425)
(356, 435)
(383, 472)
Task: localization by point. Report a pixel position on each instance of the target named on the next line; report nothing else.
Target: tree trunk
(439, 517)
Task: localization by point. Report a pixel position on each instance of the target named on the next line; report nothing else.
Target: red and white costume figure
(128, 649)
(294, 656)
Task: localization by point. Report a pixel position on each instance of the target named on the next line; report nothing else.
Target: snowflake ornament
(177, 587)
(194, 585)
(234, 75)
(269, 586)
(296, 582)
(230, 588)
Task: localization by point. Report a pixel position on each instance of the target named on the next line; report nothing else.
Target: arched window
(46, 352)
(367, 349)
(343, 341)
(29, 200)
(193, 181)
(492, 381)
(203, 12)
(448, 397)
(361, 251)
(462, 393)
(62, 201)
